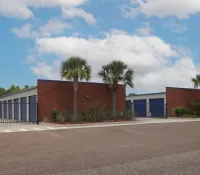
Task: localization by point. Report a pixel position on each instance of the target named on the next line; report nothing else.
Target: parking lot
(153, 148)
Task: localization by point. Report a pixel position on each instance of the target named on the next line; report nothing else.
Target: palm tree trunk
(75, 84)
(75, 105)
(114, 104)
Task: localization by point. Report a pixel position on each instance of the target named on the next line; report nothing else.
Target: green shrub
(83, 116)
(195, 106)
(67, 114)
(96, 113)
(180, 111)
(64, 116)
(108, 115)
(129, 115)
(60, 118)
(54, 113)
(186, 111)
(177, 111)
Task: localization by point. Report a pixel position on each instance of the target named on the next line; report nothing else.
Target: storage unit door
(33, 108)
(23, 108)
(5, 109)
(140, 108)
(16, 109)
(10, 109)
(157, 107)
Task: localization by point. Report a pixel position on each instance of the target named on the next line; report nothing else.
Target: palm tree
(196, 81)
(114, 73)
(75, 68)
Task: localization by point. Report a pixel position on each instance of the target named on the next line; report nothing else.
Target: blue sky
(159, 39)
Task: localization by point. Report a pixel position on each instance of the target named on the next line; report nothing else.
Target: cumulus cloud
(77, 12)
(145, 29)
(157, 64)
(42, 69)
(181, 9)
(177, 74)
(174, 26)
(21, 8)
(53, 27)
(25, 32)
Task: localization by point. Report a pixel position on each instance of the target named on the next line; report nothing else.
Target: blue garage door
(5, 109)
(140, 108)
(0, 109)
(32, 109)
(23, 108)
(157, 107)
(10, 109)
(16, 109)
(128, 105)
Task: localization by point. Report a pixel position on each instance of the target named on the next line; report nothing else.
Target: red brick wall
(180, 97)
(60, 95)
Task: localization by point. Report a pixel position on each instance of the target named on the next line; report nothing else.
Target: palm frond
(75, 67)
(116, 72)
(195, 82)
(198, 78)
(128, 78)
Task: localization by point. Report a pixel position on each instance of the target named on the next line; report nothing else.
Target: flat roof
(182, 88)
(23, 90)
(83, 82)
(146, 94)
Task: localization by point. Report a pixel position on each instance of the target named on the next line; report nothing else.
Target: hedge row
(97, 113)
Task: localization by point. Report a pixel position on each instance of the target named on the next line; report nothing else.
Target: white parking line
(23, 130)
(7, 131)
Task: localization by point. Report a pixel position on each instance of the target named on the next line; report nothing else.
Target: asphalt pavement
(165, 148)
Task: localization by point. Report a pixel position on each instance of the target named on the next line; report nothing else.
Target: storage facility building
(20, 106)
(162, 104)
(147, 105)
(33, 105)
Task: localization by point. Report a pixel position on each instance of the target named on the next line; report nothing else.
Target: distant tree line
(132, 94)
(13, 89)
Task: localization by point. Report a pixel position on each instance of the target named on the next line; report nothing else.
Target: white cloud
(178, 74)
(21, 8)
(77, 12)
(157, 64)
(184, 51)
(30, 59)
(43, 69)
(25, 32)
(54, 27)
(17, 10)
(174, 26)
(181, 9)
(145, 29)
